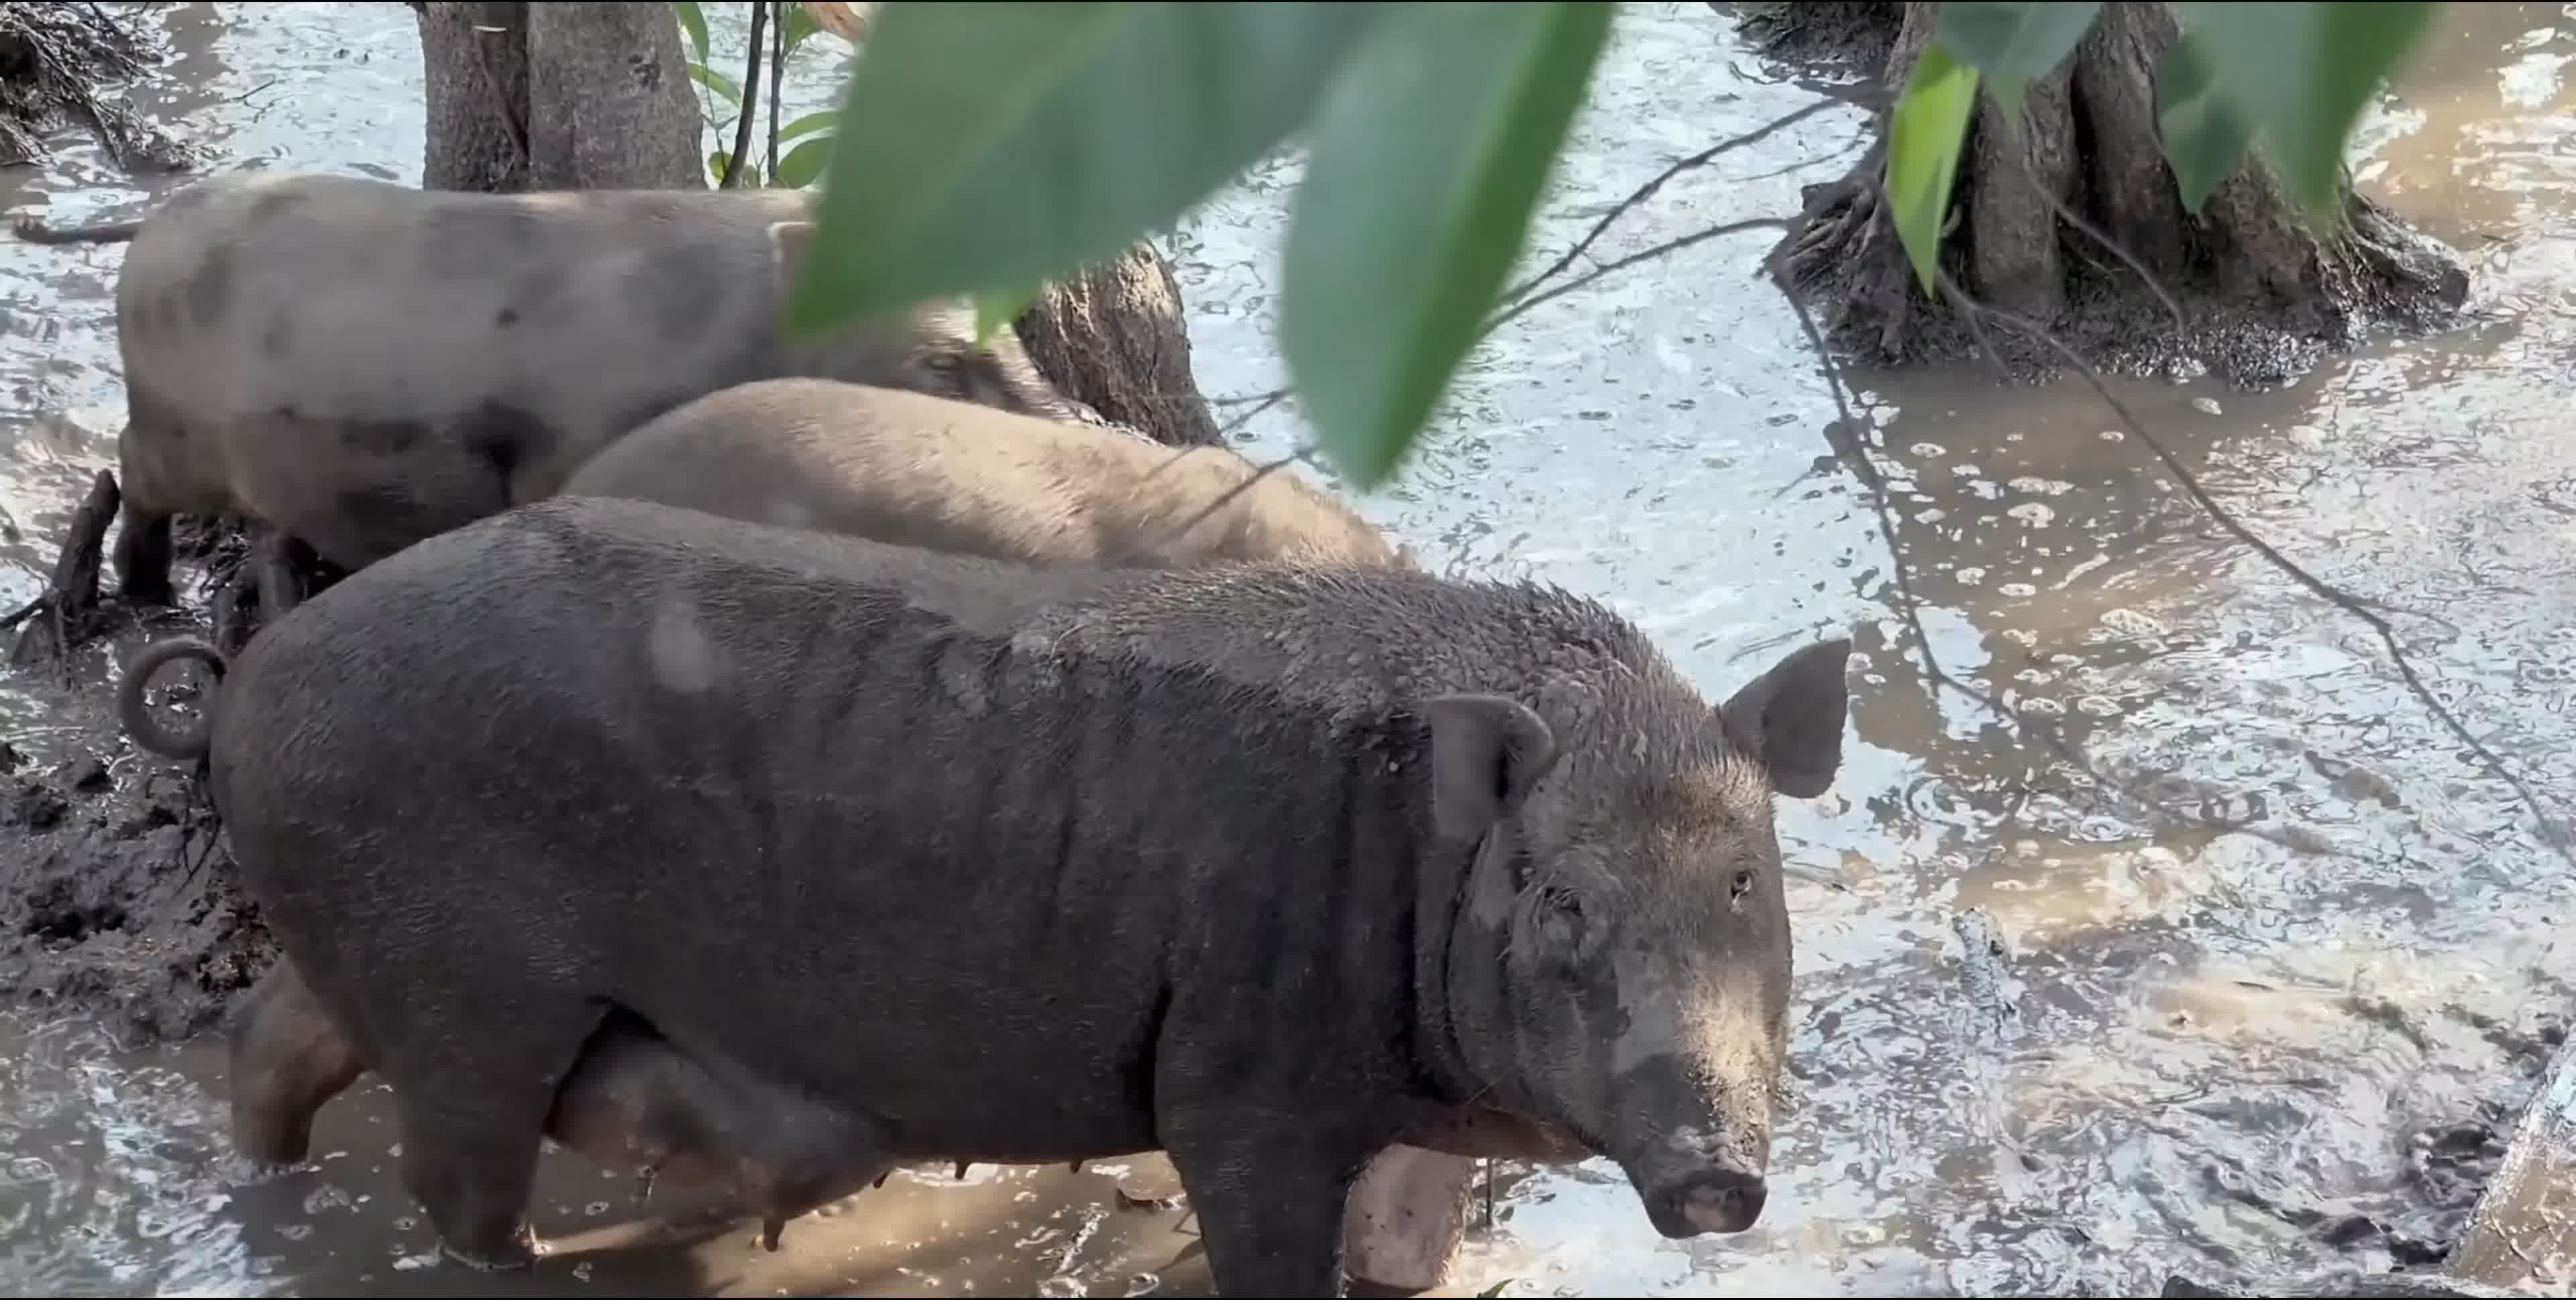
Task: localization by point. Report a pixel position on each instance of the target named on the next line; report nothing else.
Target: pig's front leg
(1407, 1217)
(1269, 1201)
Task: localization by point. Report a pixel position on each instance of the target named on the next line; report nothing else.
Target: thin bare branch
(2551, 833)
(1516, 300)
(777, 82)
(1647, 191)
(1225, 498)
(750, 106)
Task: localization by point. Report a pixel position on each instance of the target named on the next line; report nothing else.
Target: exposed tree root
(68, 611)
(1826, 33)
(2075, 222)
(53, 57)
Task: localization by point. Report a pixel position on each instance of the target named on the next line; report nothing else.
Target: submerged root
(2074, 224)
(70, 610)
(53, 58)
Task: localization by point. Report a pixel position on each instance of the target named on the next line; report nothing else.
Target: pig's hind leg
(287, 1058)
(474, 1071)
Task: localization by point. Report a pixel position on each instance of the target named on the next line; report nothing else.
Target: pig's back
(343, 299)
(919, 470)
(642, 748)
(907, 469)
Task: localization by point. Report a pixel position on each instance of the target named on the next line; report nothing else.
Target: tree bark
(556, 97)
(2260, 295)
(474, 70)
(1115, 337)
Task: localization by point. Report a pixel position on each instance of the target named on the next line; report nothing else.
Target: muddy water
(2046, 1043)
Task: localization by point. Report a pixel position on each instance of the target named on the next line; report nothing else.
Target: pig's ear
(791, 240)
(1791, 718)
(1486, 753)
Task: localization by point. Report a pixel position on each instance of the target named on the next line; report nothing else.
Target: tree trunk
(559, 97)
(1114, 337)
(2262, 297)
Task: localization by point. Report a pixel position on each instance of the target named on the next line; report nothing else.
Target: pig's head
(1619, 967)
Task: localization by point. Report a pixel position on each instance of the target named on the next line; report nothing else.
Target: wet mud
(2046, 1041)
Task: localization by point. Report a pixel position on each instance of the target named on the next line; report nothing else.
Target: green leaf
(998, 144)
(995, 309)
(800, 24)
(715, 81)
(1427, 158)
(1923, 140)
(2302, 73)
(804, 164)
(2013, 45)
(1496, 1289)
(716, 170)
(693, 24)
(2204, 133)
(811, 122)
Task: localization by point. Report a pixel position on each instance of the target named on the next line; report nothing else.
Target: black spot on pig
(210, 290)
(276, 203)
(670, 294)
(505, 436)
(380, 437)
(387, 508)
(538, 296)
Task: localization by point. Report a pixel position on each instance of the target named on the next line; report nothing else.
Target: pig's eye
(1561, 901)
(1739, 887)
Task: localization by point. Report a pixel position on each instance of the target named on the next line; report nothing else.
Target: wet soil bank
(2241, 290)
(115, 890)
(116, 884)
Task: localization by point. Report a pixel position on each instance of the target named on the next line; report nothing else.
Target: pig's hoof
(159, 595)
(518, 1256)
(769, 1231)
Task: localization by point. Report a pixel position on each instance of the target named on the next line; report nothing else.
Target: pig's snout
(1713, 1200)
(1704, 1180)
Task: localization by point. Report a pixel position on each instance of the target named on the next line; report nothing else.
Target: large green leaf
(1427, 158)
(2204, 133)
(992, 145)
(804, 164)
(2013, 44)
(715, 81)
(995, 309)
(799, 23)
(693, 24)
(2302, 73)
(1924, 136)
(807, 124)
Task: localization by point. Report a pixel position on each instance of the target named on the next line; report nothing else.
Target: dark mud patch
(116, 886)
(116, 898)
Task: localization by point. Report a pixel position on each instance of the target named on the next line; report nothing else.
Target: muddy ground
(116, 884)
(115, 889)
